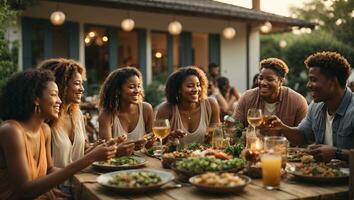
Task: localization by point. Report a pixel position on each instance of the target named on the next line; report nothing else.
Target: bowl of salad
(135, 180)
(120, 163)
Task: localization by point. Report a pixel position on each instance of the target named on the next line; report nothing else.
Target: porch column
(253, 53)
(81, 44)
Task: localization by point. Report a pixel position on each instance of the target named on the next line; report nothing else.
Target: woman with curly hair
(26, 167)
(272, 97)
(188, 108)
(68, 130)
(122, 110)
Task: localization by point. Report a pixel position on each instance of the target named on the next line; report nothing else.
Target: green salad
(208, 164)
(135, 179)
(124, 160)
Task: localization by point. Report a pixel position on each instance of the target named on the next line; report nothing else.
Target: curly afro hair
(275, 64)
(20, 91)
(331, 64)
(63, 70)
(109, 94)
(175, 80)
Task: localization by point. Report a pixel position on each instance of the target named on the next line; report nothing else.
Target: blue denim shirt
(314, 124)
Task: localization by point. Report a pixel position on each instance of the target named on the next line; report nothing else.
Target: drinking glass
(161, 129)
(271, 170)
(277, 145)
(217, 137)
(254, 117)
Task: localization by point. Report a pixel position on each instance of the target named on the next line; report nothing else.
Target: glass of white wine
(161, 129)
(254, 118)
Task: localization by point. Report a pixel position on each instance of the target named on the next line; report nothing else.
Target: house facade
(92, 35)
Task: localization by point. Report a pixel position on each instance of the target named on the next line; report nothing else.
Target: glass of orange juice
(277, 144)
(161, 129)
(271, 170)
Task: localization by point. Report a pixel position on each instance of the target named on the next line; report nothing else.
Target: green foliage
(8, 56)
(299, 47)
(155, 91)
(333, 16)
(329, 36)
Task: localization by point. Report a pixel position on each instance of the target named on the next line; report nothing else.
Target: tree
(333, 16)
(8, 56)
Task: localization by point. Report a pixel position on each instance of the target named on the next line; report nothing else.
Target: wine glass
(161, 129)
(254, 118)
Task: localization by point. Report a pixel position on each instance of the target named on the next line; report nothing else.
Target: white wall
(254, 53)
(233, 59)
(233, 52)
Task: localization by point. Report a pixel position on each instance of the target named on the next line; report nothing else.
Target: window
(96, 57)
(128, 53)
(200, 55)
(159, 53)
(37, 44)
(60, 42)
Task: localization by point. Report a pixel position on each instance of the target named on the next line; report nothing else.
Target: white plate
(105, 178)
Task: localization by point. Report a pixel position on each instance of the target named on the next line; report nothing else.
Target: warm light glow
(339, 21)
(127, 24)
(104, 38)
(266, 27)
(158, 55)
(57, 18)
(92, 34)
(256, 145)
(175, 28)
(87, 40)
(229, 33)
(282, 44)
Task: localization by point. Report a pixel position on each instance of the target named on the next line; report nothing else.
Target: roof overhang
(201, 8)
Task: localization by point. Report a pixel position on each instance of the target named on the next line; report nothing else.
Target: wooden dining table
(86, 188)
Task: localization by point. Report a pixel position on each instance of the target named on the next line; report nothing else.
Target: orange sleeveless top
(37, 168)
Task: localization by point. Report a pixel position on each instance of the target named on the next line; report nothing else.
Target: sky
(280, 7)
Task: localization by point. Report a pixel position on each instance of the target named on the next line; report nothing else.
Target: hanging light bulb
(266, 27)
(282, 44)
(229, 32)
(128, 24)
(57, 18)
(175, 28)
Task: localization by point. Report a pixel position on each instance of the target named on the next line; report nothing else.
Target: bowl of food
(135, 180)
(120, 163)
(188, 167)
(224, 182)
(318, 172)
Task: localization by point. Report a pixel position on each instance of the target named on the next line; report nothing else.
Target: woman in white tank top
(122, 111)
(188, 108)
(68, 131)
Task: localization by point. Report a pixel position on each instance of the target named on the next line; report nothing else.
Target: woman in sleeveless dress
(68, 130)
(122, 110)
(26, 168)
(188, 108)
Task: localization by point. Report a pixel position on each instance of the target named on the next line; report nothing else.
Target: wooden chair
(351, 176)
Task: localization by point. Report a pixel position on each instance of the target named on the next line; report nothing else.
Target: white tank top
(198, 135)
(136, 134)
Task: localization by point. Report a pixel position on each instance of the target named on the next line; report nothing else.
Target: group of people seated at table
(43, 141)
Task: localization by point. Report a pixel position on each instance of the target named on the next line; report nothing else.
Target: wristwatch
(338, 154)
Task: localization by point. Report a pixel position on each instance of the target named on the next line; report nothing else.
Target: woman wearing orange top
(26, 169)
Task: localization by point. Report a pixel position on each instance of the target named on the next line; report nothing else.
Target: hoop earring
(37, 109)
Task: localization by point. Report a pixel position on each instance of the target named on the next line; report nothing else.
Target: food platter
(120, 163)
(342, 174)
(295, 154)
(156, 178)
(214, 188)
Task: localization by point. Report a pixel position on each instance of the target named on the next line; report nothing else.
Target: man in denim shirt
(330, 118)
